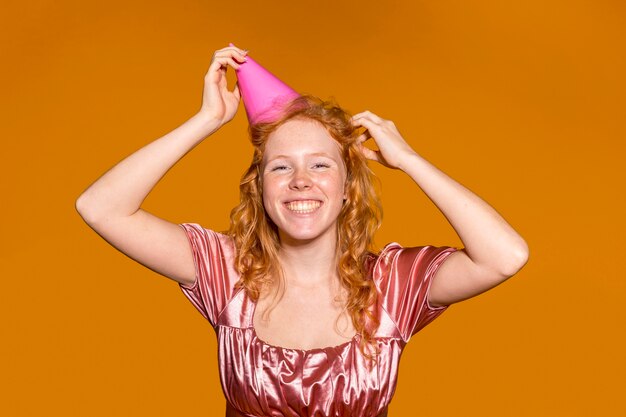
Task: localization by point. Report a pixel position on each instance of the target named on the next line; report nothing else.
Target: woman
(308, 321)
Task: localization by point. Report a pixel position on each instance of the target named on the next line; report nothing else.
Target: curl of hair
(256, 237)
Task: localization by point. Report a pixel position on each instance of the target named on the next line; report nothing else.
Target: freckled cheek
(272, 190)
(332, 185)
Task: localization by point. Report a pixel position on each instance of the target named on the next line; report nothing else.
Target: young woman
(309, 321)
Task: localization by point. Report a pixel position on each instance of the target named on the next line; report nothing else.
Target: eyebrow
(324, 154)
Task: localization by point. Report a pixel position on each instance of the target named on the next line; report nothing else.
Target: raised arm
(111, 205)
(493, 251)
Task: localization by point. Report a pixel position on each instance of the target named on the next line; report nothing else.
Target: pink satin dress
(259, 379)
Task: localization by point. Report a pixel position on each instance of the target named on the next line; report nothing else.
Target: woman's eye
(321, 165)
(279, 168)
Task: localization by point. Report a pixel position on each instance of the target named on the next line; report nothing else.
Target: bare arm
(111, 205)
(493, 252)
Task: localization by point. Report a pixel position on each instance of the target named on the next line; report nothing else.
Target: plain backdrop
(522, 102)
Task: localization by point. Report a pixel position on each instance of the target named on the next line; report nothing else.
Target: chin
(304, 236)
(298, 237)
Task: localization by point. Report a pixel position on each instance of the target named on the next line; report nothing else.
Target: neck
(309, 264)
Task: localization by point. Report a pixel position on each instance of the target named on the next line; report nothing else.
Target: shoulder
(206, 241)
(403, 276)
(405, 261)
(213, 255)
(215, 275)
(198, 230)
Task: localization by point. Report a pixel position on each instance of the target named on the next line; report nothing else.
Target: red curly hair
(256, 236)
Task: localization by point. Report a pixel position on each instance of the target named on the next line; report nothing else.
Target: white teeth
(303, 207)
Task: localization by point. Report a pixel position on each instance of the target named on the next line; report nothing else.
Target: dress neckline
(340, 346)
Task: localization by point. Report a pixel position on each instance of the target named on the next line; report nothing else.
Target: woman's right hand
(218, 103)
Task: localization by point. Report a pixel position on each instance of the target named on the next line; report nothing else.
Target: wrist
(407, 159)
(207, 122)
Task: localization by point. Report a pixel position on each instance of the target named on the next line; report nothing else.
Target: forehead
(301, 136)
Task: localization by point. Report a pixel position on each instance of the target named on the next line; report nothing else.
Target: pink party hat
(263, 94)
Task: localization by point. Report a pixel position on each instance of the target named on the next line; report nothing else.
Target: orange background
(522, 102)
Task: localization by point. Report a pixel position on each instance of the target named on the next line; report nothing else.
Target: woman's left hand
(392, 148)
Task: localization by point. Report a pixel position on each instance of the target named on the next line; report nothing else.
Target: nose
(300, 180)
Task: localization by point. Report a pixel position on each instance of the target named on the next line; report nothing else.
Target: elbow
(517, 258)
(85, 208)
(81, 206)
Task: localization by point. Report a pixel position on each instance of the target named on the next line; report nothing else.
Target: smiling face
(303, 181)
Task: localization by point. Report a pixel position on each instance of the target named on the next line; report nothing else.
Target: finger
(231, 45)
(236, 91)
(223, 62)
(222, 84)
(233, 48)
(363, 137)
(368, 115)
(224, 59)
(233, 63)
(235, 54)
(366, 122)
(240, 57)
(369, 153)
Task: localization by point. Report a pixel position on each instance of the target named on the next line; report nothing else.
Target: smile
(304, 206)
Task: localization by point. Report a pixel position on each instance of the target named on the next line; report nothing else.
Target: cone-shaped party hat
(263, 94)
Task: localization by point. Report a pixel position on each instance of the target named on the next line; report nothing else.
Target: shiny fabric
(259, 379)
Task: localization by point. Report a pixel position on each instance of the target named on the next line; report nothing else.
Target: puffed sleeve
(215, 276)
(403, 277)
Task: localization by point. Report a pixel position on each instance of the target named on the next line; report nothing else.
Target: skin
(493, 250)
(112, 207)
(302, 163)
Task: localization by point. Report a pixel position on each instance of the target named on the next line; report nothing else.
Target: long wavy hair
(256, 236)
